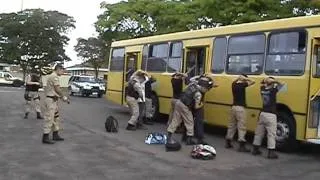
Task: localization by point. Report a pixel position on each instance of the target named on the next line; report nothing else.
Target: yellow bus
(287, 49)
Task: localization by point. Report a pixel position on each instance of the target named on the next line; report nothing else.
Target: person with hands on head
(238, 114)
(51, 119)
(268, 118)
(33, 84)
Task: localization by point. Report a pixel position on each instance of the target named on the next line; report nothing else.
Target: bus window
(246, 54)
(158, 58)
(117, 60)
(317, 58)
(175, 57)
(219, 55)
(144, 58)
(286, 53)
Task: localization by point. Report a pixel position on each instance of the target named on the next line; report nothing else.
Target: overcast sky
(85, 13)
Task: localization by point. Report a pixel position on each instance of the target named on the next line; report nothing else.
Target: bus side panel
(301, 127)
(114, 91)
(163, 90)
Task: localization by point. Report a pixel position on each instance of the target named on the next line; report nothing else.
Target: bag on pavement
(176, 146)
(111, 124)
(156, 138)
(203, 152)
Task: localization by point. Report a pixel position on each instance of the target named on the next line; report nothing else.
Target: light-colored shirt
(53, 80)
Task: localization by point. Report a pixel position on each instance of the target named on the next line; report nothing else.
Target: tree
(138, 18)
(34, 37)
(243, 11)
(92, 51)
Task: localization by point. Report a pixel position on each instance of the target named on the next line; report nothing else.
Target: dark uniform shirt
(177, 85)
(148, 87)
(239, 93)
(269, 98)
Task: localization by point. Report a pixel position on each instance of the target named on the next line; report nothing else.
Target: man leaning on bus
(268, 118)
(238, 113)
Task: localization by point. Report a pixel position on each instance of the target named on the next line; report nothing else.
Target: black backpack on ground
(176, 146)
(111, 124)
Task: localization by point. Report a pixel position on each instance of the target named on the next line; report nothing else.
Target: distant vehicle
(8, 79)
(85, 86)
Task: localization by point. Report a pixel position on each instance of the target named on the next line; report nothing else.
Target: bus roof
(278, 24)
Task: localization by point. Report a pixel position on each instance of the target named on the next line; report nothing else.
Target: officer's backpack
(111, 124)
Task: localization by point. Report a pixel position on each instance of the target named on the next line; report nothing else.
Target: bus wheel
(155, 107)
(286, 132)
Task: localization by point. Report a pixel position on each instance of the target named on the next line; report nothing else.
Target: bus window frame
(263, 54)
(305, 53)
(316, 57)
(181, 55)
(225, 53)
(124, 59)
(167, 58)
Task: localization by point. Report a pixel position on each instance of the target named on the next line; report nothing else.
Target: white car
(8, 79)
(85, 86)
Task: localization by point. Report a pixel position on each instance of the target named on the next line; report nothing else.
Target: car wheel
(17, 83)
(70, 91)
(286, 132)
(99, 95)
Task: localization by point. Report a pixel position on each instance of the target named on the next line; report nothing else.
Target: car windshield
(87, 79)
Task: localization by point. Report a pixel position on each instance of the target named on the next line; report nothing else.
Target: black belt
(53, 97)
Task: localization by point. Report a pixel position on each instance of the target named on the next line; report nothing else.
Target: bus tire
(155, 107)
(286, 132)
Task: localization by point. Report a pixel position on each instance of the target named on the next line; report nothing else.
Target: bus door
(130, 68)
(313, 125)
(195, 61)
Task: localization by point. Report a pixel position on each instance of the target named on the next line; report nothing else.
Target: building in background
(81, 69)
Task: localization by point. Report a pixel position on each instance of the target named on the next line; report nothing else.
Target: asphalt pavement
(90, 153)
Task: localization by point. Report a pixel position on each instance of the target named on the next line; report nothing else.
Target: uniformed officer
(190, 98)
(148, 104)
(134, 96)
(268, 118)
(33, 83)
(238, 113)
(51, 118)
(198, 110)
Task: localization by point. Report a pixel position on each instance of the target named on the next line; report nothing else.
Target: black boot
(256, 150)
(131, 127)
(272, 154)
(228, 144)
(46, 140)
(169, 138)
(39, 116)
(184, 137)
(201, 141)
(190, 141)
(56, 137)
(141, 126)
(242, 147)
(26, 115)
(147, 121)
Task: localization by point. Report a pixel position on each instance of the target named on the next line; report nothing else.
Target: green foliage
(93, 51)
(34, 37)
(138, 18)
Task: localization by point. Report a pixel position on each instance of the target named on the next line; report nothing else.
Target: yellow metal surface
(218, 101)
